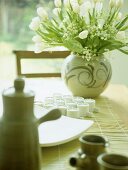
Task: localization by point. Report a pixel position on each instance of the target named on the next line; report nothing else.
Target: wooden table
(111, 121)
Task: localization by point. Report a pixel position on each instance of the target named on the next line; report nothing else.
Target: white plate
(62, 130)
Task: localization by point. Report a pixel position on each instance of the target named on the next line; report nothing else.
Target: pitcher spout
(80, 162)
(50, 115)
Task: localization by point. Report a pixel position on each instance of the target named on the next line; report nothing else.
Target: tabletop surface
(111, 121)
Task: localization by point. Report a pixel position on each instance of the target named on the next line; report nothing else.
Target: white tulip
(119, 3)
(36, 19)
(85, 7)
(119, 16)
(56, 11)
(42, 13)
(121, 35)
(76, 7)
(37, 39)
(57, 3)
(67, 3)
(83, 34)
(112, 3)
(101, 23)
(99, 7)
(39, 47)
(87, 18)
(34, 25)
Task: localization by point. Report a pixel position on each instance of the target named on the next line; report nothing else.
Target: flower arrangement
(83, 27)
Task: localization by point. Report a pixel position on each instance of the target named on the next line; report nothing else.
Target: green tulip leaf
(73, 45)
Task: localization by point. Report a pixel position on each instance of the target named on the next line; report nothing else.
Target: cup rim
(108, 165)
(106, 143)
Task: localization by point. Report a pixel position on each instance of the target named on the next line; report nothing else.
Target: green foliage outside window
(15, 16)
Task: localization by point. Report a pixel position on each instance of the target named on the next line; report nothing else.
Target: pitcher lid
(18, 90)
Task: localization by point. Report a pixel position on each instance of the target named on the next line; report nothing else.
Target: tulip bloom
(112, 3)
(119, 16)
(42, 13)
(119, 3)
(37, 39)
(57, 3)
(38, 47)
(34, 25)
(67, 3)
(56, 11)
(76, 7)
(83, 34)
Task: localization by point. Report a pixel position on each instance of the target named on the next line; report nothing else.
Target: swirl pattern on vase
(88, 75)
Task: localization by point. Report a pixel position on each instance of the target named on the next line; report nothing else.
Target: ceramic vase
(84, 79)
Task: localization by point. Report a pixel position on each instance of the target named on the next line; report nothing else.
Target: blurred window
(15, 17)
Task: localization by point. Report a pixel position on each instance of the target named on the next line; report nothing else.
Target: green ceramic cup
(110, 161)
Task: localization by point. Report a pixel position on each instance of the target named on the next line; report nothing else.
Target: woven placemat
(107, 123)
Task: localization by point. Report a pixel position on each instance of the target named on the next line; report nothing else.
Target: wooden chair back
(43, 55)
